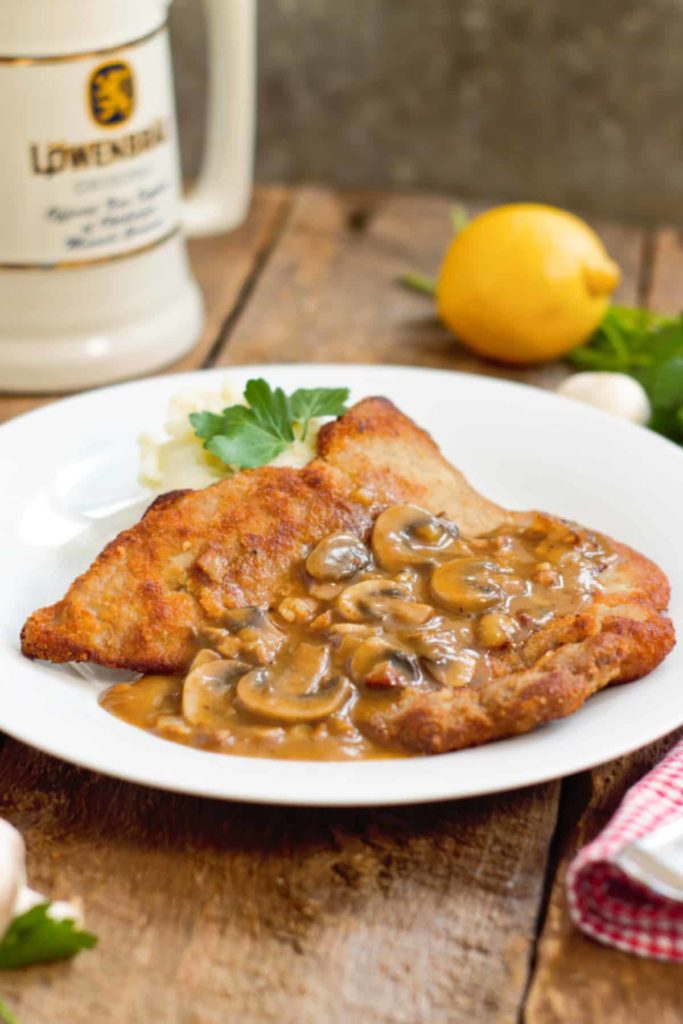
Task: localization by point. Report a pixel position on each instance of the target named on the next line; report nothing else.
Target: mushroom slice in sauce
(467, 584)
(208, 690)
(443, 653)
(297, 692)
(381, 599)
(408, 535)
(204, 657)
(337, 557)
(251, 634)
(381, 665)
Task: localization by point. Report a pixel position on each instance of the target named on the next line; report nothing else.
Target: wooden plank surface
(210, 911)
(333, 281)
(665, 277)
(577, 980)
(218, 912)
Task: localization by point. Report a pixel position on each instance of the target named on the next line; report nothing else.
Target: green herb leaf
(35, 937)
(270, 408)
(418, 283)
(306, 403)
(248, 447)
(206, 424)
(6, 1015)
(630, 339)
(253, 435)
(649, 347)
(664, 385)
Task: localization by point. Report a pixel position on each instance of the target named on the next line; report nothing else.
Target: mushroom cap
(208, 690)
(381, 664)
(336, 557)
(409, 535)
(467, 584)
(257, 693)
(381, 599)
(300, 691)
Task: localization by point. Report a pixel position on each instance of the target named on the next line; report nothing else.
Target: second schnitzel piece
(373, 593)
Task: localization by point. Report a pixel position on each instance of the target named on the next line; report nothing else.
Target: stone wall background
(578, 102)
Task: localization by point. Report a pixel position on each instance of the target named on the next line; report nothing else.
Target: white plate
(68, 482)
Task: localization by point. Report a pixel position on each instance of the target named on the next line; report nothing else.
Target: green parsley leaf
(306, 403)
(206, 424)
(6, 1015)
(630, 339)
(248, 447)
(34, 937)
(664, 385)
(270, 408)
(253, 435)
(649, 347)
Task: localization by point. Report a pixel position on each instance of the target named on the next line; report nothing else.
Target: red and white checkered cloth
(603, 901)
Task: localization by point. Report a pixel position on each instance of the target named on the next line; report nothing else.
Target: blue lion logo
(111, 93)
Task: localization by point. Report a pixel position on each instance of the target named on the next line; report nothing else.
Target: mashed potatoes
(179, 459)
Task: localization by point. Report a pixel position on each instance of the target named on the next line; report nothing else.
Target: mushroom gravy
(362, 625)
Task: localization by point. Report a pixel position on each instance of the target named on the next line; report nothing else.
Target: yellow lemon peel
(525, 283)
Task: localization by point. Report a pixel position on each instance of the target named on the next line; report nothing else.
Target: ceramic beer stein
(94, 280)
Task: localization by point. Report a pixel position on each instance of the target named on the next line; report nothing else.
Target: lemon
(525, 283)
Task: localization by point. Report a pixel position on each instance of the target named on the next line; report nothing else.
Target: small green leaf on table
(35, 937)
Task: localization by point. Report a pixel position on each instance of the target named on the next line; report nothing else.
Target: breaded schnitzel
(195, 554)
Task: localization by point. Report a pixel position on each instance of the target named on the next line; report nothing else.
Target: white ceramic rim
(626, 477)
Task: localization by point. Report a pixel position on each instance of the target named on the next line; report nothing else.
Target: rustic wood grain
(219, 912)
(212, 912)
(578, 981)
(333, 281)
(575, 980)
(224, 265)
(665, 283)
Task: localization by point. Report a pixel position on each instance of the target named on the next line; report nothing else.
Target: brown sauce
(359, 627)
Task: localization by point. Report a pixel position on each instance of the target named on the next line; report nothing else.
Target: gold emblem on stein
(111, 93)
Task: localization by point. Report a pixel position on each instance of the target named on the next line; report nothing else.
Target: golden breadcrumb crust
(144, 600)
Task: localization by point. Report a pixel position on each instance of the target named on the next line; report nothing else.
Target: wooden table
(214, 913)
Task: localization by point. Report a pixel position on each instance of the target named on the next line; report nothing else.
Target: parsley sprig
(253, 435)
(35, 937)
(649, 347)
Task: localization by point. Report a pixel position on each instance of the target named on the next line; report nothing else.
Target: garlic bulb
(15, 896)
(612, 392)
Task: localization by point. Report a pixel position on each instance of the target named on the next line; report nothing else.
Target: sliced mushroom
(455, 670)
(467, 584)
(381, 665)
(443, 653)
(337, 557)
(208, 690)
(381, 600)
(203, 657)
(408, 535)
(252, 634)
(295, 692)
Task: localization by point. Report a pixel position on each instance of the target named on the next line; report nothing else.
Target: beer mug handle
(220, 198)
